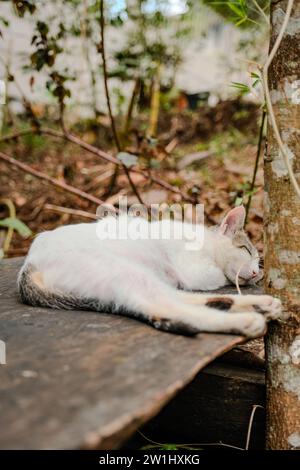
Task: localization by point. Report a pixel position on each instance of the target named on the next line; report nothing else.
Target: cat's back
(62, 241)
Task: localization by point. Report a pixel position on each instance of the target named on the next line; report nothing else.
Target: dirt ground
(228, 133)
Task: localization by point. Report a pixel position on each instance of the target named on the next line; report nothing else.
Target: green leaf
(16, 224)
(128, 159)
(169, 447)
(241, 21)
(238, 201)
(241, 87)
(235, 8)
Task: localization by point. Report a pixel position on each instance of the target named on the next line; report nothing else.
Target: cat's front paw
(252, 325)
(269, 306)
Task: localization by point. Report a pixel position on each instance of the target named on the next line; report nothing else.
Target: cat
(151, 280)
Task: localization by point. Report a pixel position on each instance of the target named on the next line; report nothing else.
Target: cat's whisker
(237, 279)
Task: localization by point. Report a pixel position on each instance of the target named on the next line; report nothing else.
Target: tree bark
(282, 236)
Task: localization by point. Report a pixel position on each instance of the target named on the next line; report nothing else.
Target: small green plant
(12, 224)
(161, 447)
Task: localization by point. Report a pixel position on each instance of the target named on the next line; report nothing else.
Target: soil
(229, 131)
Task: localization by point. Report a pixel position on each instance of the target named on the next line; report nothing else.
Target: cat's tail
(33, 292)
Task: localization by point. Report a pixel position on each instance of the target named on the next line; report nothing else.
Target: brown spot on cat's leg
(220, 303)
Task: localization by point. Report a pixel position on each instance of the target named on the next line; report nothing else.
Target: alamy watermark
(156, 222)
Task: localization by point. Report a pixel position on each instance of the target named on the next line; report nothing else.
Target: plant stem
(10, 231)
(154, 107)
(258, 152)
(70, 211)
(105, 77)
(112, 120)
(131, 106)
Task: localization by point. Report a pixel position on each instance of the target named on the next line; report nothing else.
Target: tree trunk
(282, 236)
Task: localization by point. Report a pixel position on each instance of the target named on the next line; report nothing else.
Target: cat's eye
(246, 248)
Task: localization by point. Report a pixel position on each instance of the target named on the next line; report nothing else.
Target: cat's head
(237, 252)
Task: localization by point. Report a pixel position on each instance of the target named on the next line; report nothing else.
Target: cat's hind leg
(179, 317)
(146, 297)
(264, 304)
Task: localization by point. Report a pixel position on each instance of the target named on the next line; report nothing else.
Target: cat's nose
(254, 273)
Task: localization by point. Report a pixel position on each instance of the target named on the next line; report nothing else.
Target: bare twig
(271, 114)
(131, 104)
(86, 52)
(190, 445)
(69, 211)
(49, 179)
(261, 11)
(98, 152)
(154, 106)
(254, 408)
(112, 120)
(258, 152)
(237, 284)
(171, 145)
(105, 77)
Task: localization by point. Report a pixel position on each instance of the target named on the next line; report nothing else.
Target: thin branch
(261, 11)
(258, 152)
(131, 104)
(190, 445)
(112, 120)
(254, 408)
(269, 101)
(105, 77)
(66, 187)
(69, 211)
(86, 51)
(98, 152)
(154, 106)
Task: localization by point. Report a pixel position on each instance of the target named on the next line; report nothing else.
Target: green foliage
(47, 47)
(161, 447)
(240, 12)
(154, 39)
(17, 225)
(23, 6)
(11, 224)
(56, 85)
(241, 87)
(244, 89)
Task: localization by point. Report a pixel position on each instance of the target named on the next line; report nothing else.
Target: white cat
(151, 280)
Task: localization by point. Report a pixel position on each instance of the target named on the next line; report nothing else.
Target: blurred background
(169, 88)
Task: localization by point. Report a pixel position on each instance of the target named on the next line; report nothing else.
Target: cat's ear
(233, 221)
